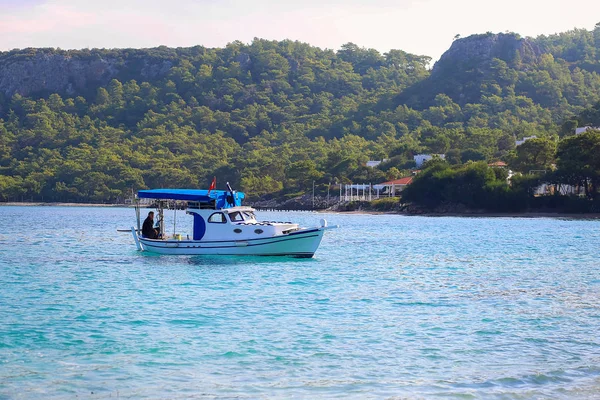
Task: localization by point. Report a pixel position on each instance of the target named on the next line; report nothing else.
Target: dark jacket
(148, 230)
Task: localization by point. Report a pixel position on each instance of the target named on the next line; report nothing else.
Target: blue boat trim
(295, 254)
(199, 227)
(303, 232)
(149, 243)
(226, 241)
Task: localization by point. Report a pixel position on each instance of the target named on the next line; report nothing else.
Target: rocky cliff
(32, 71)
(470, 63)
(479, 50)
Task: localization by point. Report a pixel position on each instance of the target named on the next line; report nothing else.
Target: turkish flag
(213, 185)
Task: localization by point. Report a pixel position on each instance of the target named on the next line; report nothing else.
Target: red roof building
(401, 182)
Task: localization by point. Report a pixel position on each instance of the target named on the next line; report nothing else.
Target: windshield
(236, 217)
(249, 215)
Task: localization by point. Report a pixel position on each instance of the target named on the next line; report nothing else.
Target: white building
(391, 188)
(585, 128)
(375, 163)
(421, 158)
(520, 142)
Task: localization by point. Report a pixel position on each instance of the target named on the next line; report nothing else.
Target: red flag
(213, 185)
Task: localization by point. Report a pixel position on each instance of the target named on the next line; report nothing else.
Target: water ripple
(390, 307)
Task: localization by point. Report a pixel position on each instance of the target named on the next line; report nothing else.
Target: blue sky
(417, 26)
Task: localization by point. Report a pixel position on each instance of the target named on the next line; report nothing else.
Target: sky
(424, 27)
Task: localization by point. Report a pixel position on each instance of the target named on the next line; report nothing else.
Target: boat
(223, 226)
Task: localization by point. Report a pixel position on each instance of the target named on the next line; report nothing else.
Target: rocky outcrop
(53, 73)
(468, 64)
(480, 50)
(32, 71)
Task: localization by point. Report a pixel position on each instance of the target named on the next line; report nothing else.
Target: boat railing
(199, 205)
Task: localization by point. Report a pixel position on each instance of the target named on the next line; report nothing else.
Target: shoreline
(527, 214)
(43, 204)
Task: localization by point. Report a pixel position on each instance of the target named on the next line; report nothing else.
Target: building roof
(402, 181)
(498, 164)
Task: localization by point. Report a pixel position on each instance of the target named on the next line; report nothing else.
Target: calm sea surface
(391, 306)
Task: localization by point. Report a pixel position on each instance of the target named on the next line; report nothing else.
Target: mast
(161, 222)
(174, 218)
(137, 213)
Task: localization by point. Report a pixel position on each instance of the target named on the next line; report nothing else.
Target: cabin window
(217, 218)
(237, 230)
(249, 215)
(258, 231)
(236, 217)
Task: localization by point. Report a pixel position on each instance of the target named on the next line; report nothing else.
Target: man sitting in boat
(148, 230)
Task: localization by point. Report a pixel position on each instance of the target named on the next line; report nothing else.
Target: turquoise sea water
(390, 307)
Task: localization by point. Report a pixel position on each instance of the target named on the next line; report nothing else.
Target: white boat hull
(302, 243)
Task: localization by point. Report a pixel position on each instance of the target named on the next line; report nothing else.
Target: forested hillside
(272, 117)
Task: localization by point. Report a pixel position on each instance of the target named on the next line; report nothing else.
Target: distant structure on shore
(375, 163)
(369, 192)
(520, 142)
(421, 158)
(586, 128)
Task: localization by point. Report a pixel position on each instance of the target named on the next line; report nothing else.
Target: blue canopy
(219, 196)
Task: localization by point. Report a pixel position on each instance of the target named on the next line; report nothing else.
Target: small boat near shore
(223, 226)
